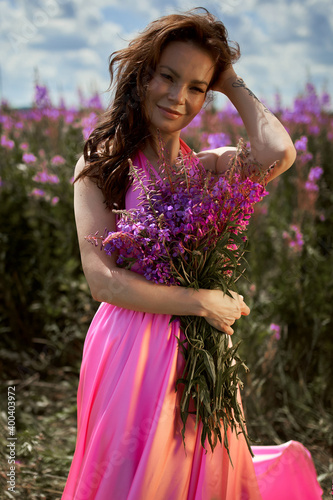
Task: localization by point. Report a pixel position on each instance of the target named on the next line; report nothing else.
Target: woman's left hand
(226, 75)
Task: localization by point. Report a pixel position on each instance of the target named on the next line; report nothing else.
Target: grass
(46, 434)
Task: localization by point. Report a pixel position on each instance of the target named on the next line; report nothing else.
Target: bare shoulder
(217, 160)
(80, 164)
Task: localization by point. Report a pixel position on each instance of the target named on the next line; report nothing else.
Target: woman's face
(178, 88)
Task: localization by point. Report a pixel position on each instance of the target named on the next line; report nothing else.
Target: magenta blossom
(276, 329)
(296, 242)
(301, 144)
(46, 178)
(88, 125)
(38, 193)
(42, 98)
(218, 140)
(314, 175)
(7, 143)
(57, 160)
(196, 211)
(29, 158)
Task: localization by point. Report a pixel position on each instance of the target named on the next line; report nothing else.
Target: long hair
(124, 126)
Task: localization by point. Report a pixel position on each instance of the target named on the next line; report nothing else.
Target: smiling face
(178, 88)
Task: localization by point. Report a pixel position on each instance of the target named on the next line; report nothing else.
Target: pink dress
(129, 445)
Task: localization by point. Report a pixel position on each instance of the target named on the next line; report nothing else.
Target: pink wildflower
(301, 144)
(57, 160)
(46, 178)
(37, 193)
(276, 329)
(88, 125)
(29, 158)
(7, 143)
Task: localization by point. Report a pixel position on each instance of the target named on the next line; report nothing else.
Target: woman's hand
(222, 310)
(221, 84)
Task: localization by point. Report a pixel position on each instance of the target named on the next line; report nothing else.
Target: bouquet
(189, 230)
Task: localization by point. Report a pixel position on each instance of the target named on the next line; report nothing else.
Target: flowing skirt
(129, 444)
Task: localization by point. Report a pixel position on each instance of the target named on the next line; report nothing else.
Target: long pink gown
(129, 445)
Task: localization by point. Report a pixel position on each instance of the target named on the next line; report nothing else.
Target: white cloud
(69, 41)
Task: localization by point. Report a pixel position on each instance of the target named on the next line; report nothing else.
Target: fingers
(226, 326)
(222, 326)
(244, 309)
(228, 330)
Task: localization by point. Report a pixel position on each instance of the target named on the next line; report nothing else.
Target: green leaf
(209, 364)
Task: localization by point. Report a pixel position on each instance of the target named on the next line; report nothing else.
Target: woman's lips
(169, 113)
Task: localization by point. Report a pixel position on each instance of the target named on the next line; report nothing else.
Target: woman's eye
(166, 76)
(198, 89)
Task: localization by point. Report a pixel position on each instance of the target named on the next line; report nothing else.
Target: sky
(65, 44)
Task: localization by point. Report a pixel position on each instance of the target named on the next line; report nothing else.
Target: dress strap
(184, 147)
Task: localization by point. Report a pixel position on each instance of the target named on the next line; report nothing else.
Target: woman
(129, 444)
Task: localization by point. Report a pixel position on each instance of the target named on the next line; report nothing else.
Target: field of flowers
(45, 305)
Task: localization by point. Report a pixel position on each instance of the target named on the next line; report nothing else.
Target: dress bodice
(140, 160)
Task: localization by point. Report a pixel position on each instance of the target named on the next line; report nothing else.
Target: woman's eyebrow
(197, 82)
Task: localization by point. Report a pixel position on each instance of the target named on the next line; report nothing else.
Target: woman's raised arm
(269, 140)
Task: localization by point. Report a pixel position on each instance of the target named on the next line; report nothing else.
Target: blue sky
(284, 43)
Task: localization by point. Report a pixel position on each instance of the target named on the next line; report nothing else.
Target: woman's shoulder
(80, 164)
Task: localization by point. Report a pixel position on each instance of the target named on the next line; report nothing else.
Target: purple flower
(196, 122)
(314, 129)
(57, 160)
(52, 113)
(29, 158)
(46, 178)
(7, 143)
(298, 242)
(305, 158)
(218, 140)
(301, 144)
(182, 214)
(42, 99)
(38, 193)
(315, 174)
(276, 329)
(325, 99)
(54, 200)
(88, 124)
(24, 146)
(311, 186)
(69, 117)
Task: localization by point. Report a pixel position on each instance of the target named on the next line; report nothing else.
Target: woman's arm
(269, 140)
(127, 289)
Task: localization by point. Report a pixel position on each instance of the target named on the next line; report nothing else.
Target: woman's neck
(170, 152)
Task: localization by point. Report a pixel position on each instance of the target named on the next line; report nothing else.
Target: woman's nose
(177, 94)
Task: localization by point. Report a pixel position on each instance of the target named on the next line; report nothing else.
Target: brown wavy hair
(124, 127)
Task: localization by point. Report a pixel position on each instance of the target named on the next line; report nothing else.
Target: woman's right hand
(221, 311)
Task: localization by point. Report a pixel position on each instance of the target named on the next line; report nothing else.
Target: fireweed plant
(188, 230)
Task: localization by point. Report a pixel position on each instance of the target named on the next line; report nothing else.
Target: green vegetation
(46, 307)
